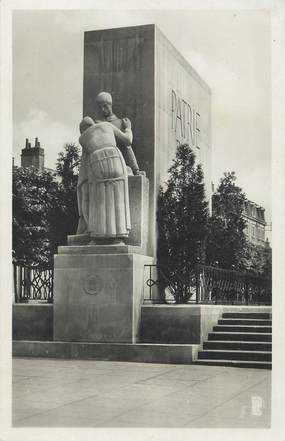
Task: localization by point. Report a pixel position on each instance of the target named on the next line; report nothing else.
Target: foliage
(44, 209)
(67, 166)
(182, 218)
(267, 260)
(33, 199)
(64, 218)
(258, 259)
(227, 246)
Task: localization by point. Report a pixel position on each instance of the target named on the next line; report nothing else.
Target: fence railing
(164, 284)
(32, 284)
(205, 284)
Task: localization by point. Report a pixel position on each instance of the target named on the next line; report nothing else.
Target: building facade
(254, 216)
(33, 156)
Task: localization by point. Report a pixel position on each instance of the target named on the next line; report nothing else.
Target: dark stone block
(32, 322)
(170, 324)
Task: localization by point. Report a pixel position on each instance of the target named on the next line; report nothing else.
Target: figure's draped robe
(109, 209)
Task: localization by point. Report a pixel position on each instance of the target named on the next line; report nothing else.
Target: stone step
(240, 336)
(235, 355)
(242, 328)
(257, 315)
(240, 339)
(236, 363)
(237, 345)
(245, 321)
(136, 352)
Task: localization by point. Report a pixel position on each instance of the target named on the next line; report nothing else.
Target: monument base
(140, 353)
(98, 292)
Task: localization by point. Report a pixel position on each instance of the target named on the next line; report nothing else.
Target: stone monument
(99, 276)
(164, 97)
(99, 279)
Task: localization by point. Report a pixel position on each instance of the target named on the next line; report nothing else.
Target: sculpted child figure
(103, 197)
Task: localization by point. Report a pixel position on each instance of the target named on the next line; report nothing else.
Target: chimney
(33, 156)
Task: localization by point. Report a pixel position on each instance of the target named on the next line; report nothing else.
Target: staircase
(240, 339)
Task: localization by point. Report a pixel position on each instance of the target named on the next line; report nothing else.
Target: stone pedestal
(98, 293)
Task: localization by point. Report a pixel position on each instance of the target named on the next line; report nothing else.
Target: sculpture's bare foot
(118, 242)
(107, 241)
(92, 242)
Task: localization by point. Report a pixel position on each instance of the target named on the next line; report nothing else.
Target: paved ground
(72, 393)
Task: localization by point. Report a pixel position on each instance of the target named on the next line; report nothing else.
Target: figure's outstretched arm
(126, 136)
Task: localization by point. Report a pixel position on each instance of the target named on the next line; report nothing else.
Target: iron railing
(205, 284)
(33, 284)
(170, 283)
(164, 284)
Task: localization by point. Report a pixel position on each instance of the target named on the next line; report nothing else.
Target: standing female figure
(103, 196)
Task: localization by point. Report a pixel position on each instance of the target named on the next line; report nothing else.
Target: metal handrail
(33, 283)
(206, 284)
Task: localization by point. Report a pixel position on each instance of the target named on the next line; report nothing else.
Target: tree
(267, 260)
(63, 218)
(67, 166)
(44, 209)
(182, 218)
(226, 245)
(33, 198)
(258, 259)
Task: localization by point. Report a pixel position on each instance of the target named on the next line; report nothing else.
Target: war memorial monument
(141, 99)
(161, 101)
(100, 305)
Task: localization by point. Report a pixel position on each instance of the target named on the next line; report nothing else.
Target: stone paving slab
(88, 393)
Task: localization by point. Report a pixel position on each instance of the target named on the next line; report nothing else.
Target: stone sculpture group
(102, 191)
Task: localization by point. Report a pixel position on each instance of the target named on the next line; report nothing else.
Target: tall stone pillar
(164, 97)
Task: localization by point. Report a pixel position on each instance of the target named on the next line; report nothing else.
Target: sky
(229, 49)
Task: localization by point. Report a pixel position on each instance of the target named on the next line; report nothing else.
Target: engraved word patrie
(185, 121)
